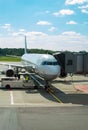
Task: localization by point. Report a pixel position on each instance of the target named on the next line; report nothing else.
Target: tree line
(20, 51)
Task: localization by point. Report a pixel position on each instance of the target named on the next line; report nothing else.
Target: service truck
(12, 82)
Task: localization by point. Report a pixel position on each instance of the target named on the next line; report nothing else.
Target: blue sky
(49, 24)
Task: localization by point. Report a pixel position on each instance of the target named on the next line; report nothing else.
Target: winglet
(25, 50)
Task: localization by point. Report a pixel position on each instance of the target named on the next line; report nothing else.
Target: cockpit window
(49, 63)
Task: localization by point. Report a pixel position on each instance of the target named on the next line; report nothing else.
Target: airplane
(45, 65)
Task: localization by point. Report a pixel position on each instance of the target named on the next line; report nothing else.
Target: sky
(57, 25)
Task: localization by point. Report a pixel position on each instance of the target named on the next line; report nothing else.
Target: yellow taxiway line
(53, 94)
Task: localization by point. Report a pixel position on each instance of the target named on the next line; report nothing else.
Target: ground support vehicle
(12, 82)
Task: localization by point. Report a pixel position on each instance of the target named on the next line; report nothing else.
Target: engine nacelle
(10, 73)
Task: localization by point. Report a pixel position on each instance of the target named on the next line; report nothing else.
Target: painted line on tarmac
(11, 97)
(37, 104)
(53, 94)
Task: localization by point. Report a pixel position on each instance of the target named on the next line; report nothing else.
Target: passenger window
(44, 63)
(49, 63)
(55, 63)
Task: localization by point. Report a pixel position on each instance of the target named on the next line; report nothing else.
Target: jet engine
(10, 73)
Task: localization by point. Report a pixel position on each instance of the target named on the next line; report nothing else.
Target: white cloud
(11, 42)
(6, 26)
(52, 29)
(71, 41)
(84, 9)
(6, 29)
(71, 22)
(70, 33)
(22, 30)
(46, 12)
(64, 12)
(32, 35)
(43, 23)
(18, 33)
(72, 2)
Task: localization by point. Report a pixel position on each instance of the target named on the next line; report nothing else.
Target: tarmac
(62, 92)
(63, 106)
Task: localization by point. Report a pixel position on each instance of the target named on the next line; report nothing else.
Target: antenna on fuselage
(25, 50)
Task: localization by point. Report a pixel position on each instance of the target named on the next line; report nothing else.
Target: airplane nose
(53, 72)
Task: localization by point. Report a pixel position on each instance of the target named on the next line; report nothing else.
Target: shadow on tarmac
(81, 99)
(76, 98)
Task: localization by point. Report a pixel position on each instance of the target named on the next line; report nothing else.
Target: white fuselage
(43, 64)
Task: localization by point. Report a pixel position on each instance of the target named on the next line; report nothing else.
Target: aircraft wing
(18, 65)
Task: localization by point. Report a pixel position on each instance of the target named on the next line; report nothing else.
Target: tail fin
(25, 49)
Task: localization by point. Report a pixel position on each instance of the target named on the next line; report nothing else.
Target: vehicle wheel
(7, 86)
(35, 87)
